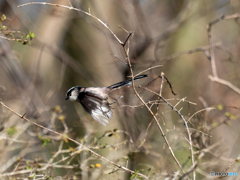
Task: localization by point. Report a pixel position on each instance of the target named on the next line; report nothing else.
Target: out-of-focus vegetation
(197, 44)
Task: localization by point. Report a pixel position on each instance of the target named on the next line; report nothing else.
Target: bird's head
(73, 93)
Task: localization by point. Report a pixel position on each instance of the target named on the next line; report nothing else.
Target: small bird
(95, 99)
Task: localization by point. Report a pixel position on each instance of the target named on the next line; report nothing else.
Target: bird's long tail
(126, 82)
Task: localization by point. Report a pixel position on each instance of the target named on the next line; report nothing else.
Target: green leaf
(116, 135)
(29, 167)
(134, 175)
(45, 141)
(92, 166)
(3, 17)
(28, 36)
(32, 34)
(11, 131)
(4, 27)
(227, 114)
(112, 172)
(32, 175)
(220, 107)
(230, 116)
(103, 145)
(65, 138)
(215, 124)
(228, 123)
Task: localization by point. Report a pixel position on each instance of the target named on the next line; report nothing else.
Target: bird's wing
(97, 106)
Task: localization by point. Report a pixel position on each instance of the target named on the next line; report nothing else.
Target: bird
(95, 99)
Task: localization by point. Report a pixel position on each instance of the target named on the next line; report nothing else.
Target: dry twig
(70, 139)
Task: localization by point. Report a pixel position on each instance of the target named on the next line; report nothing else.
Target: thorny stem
(185, 123)
(158, 124)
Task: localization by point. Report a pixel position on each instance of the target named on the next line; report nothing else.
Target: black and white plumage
(95, 99)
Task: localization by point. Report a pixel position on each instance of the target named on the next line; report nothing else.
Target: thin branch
(79, 10)
(71, 3)
(15, 39)
(224, 82)
(129, 35)
(156, 120)
(206, 109)
(212, 58)
(163, 76)
(148, 69)
(161, 87)
(203, 49)
(185, 122)
(70, 139)
(236, 160)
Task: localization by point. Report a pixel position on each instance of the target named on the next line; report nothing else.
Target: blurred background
(60, 48)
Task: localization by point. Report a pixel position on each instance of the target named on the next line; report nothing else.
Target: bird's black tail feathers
(126, 82)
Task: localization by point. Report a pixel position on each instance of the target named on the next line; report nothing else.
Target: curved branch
(70, 139)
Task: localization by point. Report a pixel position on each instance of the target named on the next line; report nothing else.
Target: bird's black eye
(69, 93)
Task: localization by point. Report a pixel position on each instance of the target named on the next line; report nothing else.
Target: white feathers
(101, 116)
(74, 94)
(102, 111)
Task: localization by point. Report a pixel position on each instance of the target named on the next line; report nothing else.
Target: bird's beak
(67, 98)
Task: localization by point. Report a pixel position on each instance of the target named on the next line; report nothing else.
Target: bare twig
(14, 39)
(71, 3)
(215, 77)
(236, 160)
(224, 82)
(70, 139)
(79, 10)
(204, 49)
(163, 76)
(185, 122)
(206, 109)
(157, 66)
(156, 120)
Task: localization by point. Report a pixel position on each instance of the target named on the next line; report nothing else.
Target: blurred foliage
(11, 131)
(24, 38)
